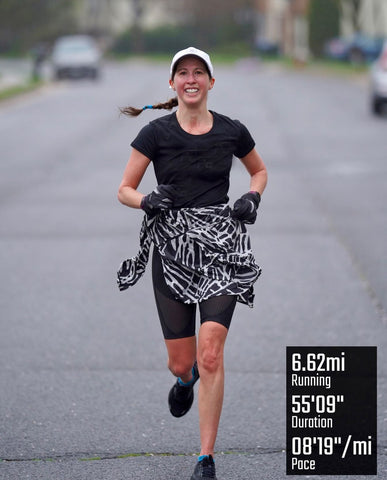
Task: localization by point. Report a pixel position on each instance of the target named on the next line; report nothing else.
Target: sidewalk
(16, 77)
(14, 72)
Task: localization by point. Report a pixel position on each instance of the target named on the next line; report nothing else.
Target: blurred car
(76, 56)
(266, 47)
(378, 74)
(356, 49)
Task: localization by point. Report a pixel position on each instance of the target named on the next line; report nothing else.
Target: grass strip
(108, 456)
(16, 90)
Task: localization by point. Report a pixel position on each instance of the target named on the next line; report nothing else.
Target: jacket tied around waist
(204, 252)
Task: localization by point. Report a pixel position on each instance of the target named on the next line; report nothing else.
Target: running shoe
(181, 397)
(205, 468)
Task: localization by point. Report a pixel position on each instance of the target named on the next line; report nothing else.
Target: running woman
(202, 257)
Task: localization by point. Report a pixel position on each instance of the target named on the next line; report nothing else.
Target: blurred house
(370, 19)
(110, 17)
(268, 25)
(283, 23)
(296, 30)
(281, 26)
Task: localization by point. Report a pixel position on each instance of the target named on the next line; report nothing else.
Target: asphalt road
(83, 377)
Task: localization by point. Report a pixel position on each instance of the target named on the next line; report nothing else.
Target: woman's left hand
(245, 209)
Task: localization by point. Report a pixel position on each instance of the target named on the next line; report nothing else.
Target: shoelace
(208, 468)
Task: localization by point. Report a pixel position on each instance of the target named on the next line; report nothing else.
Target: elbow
(121, 196)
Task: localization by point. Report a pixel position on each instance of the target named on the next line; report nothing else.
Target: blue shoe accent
(202, 457)
(188, 383)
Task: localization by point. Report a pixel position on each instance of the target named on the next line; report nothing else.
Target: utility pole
(138, 41)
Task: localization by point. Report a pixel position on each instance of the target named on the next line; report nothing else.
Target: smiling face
(191, 81)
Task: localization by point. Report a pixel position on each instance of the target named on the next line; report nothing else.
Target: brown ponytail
(134, 112)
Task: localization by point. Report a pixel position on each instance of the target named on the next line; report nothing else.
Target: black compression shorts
(177, 318)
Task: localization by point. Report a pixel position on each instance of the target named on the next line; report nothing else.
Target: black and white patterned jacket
(204, 251)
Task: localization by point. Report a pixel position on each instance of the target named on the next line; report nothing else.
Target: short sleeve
(145, 142)
(245, 141)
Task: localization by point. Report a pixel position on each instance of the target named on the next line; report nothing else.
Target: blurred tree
(134, 36)
(24, 23)
(219, 21)
(137, 31)
(324, 20)
(356, 5)
(206, 24)
(353, 7)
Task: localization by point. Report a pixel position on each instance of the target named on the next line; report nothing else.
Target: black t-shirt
(198, 165)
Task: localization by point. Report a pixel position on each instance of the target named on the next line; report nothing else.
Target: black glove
(245, 209)
(160, 199)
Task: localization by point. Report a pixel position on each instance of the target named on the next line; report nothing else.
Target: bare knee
(180, 368)
(212, 337)
(210, 360)
(181, 355)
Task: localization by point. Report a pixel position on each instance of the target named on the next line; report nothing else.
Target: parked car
(76, 56)
(356, 49)
(266, 47)
(378, 74)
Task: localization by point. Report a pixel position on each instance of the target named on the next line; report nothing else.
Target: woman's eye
(184, 72)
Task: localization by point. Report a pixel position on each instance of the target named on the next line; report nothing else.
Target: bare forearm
(127, 192)
(130, 197)
(257, 170)
(258, 181)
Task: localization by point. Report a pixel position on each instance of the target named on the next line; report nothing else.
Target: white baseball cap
(196, 53)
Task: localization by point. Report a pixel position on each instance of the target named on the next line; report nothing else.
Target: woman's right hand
(160, 199)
